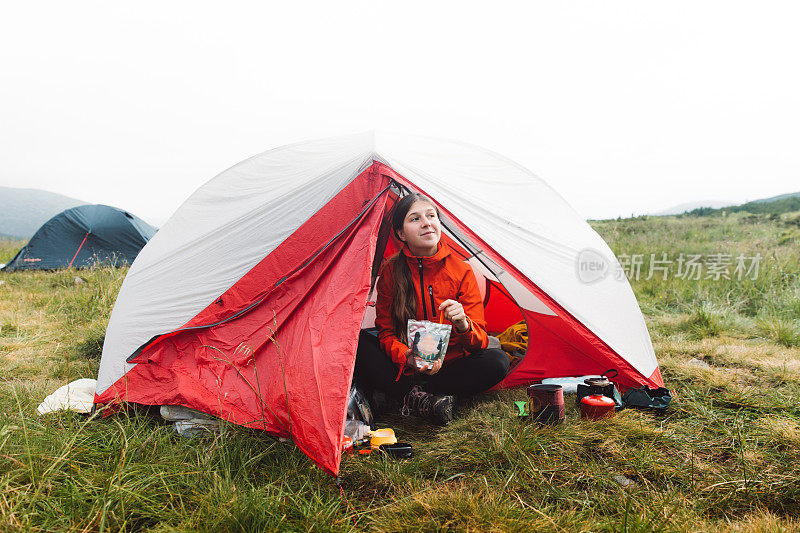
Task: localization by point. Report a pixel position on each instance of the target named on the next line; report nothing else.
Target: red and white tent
(247, 304)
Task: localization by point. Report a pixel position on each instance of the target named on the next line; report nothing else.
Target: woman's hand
(410, 362)
(454, 312)
(433, 369)
(410, 359)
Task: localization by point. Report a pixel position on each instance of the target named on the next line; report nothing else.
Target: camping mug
(546, 404)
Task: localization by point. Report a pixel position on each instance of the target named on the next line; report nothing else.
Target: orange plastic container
(347, 444)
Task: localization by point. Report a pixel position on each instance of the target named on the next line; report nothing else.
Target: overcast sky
(622, 107)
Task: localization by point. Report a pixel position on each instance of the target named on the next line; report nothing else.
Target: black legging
(475, 372)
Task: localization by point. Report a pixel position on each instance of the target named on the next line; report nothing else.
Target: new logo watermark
(592, 266)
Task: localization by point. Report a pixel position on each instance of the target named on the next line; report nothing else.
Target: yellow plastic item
(382, 436)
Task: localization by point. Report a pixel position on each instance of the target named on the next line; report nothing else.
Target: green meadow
(721, 297)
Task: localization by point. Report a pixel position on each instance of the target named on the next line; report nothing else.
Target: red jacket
(443, 277)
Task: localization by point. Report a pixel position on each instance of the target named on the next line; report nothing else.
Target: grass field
(726, 456)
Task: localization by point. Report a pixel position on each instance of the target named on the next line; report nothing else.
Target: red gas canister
(596, 407)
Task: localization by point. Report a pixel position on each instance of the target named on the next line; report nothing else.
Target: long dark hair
(404, 297)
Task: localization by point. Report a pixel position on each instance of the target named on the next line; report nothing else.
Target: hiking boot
(434, 407)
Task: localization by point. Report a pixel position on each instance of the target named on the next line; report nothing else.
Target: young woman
(424, 281)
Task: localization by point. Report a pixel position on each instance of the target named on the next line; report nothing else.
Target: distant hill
(683, 208)
(783, 203)
(23, 211)
(776, 198)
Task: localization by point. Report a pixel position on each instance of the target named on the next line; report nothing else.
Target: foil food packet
(428, 342)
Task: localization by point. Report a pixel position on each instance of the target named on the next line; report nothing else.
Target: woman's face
(421, 229)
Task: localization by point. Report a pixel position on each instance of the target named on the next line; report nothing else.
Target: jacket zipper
(433, 305)
(422, 291)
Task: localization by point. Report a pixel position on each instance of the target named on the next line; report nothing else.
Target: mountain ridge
(25, 210)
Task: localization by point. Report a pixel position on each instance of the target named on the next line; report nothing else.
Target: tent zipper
(422, 290)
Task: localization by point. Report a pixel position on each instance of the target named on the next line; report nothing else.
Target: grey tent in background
(83, 236)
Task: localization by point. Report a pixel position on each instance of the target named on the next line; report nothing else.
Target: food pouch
(428, 341)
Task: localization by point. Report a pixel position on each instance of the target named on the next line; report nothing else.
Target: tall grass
(784, 331)
(9, 248)
(776, 286)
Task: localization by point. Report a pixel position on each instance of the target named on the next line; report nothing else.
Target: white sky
(623, 107)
